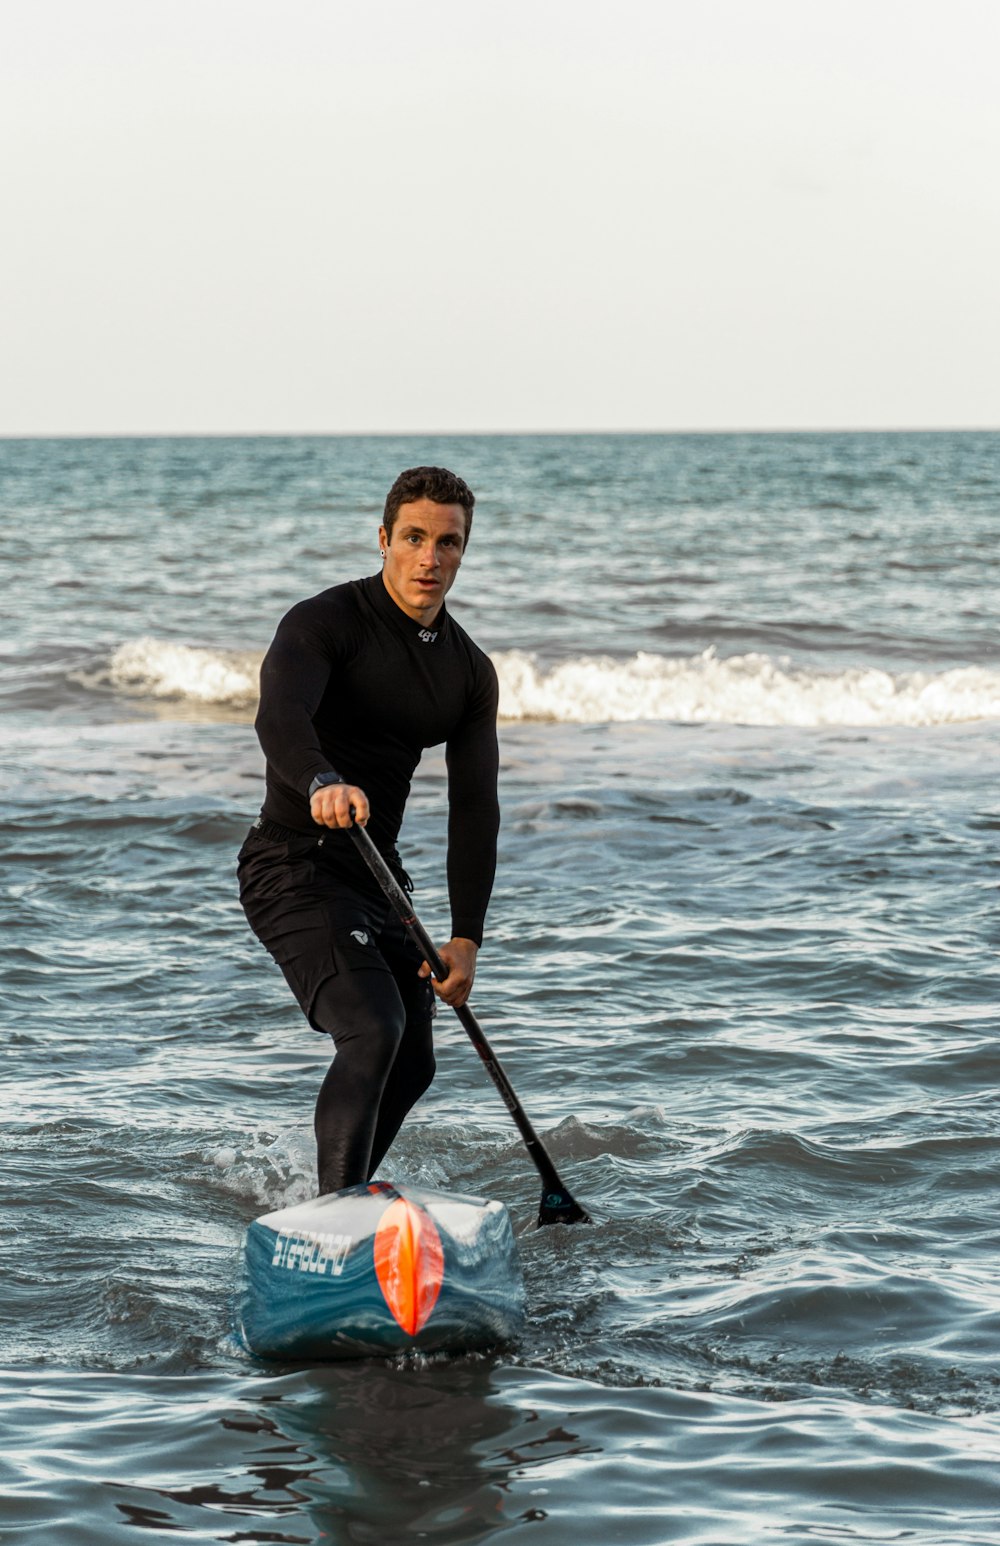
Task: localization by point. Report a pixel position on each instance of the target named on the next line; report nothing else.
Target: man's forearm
(472, 861)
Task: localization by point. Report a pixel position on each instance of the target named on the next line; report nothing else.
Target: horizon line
(481, 434)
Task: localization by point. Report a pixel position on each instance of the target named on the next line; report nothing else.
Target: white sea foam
(157, 668)
(744, 689)
(701, 689)
(270, 1170)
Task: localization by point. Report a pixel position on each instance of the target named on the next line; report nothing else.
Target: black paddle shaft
(557, 1205)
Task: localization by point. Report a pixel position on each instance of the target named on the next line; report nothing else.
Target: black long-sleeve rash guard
(353, 685)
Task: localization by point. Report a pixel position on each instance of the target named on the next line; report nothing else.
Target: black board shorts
(318, 926)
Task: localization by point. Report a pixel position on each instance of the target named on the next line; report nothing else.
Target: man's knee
(380, 1042)
(366, 1032)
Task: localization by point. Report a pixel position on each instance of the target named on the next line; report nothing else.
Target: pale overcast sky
(444, 215)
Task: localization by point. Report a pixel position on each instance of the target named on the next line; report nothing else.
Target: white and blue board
(376, 1270)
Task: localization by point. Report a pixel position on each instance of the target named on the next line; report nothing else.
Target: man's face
(422, 559)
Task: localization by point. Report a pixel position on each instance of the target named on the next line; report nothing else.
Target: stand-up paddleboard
(376, 1270)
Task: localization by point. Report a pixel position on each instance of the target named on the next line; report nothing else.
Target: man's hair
(437, 483)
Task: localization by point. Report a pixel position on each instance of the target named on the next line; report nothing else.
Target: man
(357, 682)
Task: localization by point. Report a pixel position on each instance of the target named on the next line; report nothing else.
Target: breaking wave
(753, 689)
(157, 668)
(744, 690)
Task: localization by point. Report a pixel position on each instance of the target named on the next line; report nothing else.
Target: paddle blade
(559, 1207)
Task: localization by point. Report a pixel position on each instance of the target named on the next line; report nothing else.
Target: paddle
(557, 1205)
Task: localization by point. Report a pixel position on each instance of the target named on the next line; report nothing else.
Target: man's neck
(425, 616)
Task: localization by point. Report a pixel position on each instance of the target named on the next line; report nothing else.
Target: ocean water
(741, 967)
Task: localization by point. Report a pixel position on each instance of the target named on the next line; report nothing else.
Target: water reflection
(405, 1452)
(387, 1453)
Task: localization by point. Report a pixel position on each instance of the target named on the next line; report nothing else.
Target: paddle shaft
(401, 905)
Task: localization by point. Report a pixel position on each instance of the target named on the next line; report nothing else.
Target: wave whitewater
(157, 668)
(751, 689)
(754, 689)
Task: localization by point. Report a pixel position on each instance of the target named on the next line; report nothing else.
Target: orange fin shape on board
(409, 1263)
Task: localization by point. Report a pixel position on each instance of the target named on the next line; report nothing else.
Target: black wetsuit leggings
(384, 1062)
(353, 970)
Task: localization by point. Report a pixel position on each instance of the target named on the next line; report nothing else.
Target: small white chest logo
(426, 636)
(360, 936)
